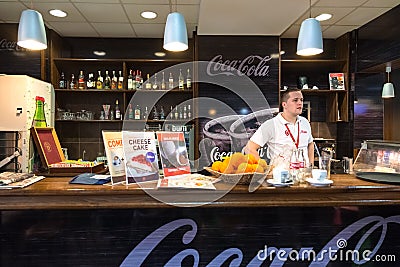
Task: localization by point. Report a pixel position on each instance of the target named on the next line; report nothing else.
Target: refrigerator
(17, 108)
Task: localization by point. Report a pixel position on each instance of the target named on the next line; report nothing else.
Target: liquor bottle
(184, 112)
(117, 111)
(163, 84)
(155, 84)
(120, 81)
(39, 120)
(188, 80)
(114, 80)
(170, 81)
(137, 113)
(171, 113)
(107, 81)
(81, 80)
(155, 114)
(189, 112)
(100, 80)
(130, 80)
(138, 80)
(145, 113)
(148, 82)
(63, 81)
(130, 113)
(162, 113)
(176, 113)
(90, 82)
(72, 83)
(141, 80)
(181, 81)
(180, 113)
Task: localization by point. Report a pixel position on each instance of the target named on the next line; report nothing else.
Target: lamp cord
(170, 6)
(310, 8)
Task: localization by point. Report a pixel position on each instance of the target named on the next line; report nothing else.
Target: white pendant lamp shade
(388, 90)
(310, 38)
(175, 33)
(31, 31)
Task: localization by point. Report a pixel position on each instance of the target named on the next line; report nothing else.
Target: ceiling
(121, 18)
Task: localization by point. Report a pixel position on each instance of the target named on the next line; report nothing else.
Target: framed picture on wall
(336, 81)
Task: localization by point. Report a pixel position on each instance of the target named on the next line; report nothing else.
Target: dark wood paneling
(15, 59)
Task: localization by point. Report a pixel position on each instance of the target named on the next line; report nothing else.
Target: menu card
(115, 155)
(173, 153)
(141, 162)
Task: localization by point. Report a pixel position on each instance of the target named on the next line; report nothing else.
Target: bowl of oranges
(239, 168)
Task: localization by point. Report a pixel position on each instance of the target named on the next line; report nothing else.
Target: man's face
(294, 105)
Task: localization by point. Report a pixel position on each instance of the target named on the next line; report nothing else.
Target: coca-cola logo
(10, 45)
(253, 65)
(361, 229)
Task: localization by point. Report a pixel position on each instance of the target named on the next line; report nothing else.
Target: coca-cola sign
(252, 65)
(10, 45)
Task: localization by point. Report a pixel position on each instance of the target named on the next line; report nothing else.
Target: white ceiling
(121, 18)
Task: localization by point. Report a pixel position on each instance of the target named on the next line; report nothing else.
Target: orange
(242, 167)
(262, 163)
(237, 158)
(216, 165)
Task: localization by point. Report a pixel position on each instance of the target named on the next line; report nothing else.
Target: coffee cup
(319, 174)
(280, 175)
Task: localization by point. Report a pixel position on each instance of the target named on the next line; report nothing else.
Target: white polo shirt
(277, 136)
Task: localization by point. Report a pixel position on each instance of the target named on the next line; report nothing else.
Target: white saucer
(315, 182)
(271, 181)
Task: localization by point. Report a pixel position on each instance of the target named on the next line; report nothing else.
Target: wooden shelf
(94, 90)
(295, 64)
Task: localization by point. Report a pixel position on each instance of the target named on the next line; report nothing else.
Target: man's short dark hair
(285, 94)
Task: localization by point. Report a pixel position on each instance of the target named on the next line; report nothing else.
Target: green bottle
(39, 120)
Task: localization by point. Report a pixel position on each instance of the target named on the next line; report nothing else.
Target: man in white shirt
(286, 131)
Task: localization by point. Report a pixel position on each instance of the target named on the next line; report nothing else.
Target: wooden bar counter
(57, 193)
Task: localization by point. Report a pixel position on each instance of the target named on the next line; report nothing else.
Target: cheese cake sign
(252, 65)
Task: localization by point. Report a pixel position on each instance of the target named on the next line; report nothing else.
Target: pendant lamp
(388, 88)
(31, 31)
(175, 33)
(309, 42)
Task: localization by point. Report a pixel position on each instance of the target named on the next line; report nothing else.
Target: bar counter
(57, 193)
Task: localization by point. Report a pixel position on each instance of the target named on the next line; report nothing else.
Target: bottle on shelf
(131, 115)
(120, 81)
(155, 84)
(72, 83)
(81, 80)
(107, 81)
(63, 81)
(181, 85)
(181, 113)
(114, 80)
(145, 113)
(176, 113)
(138, 80)
(188, 80)
(171, 113)
(137, 112)
(184, 112)
(39, 119)
(155, 114)
(112, 117)
(170, 81)
(117, 111)
(189, 112)
(148, 83)
(162, 113)
(163, 84)
(90, 84)
(131, 80)
(100, 80)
